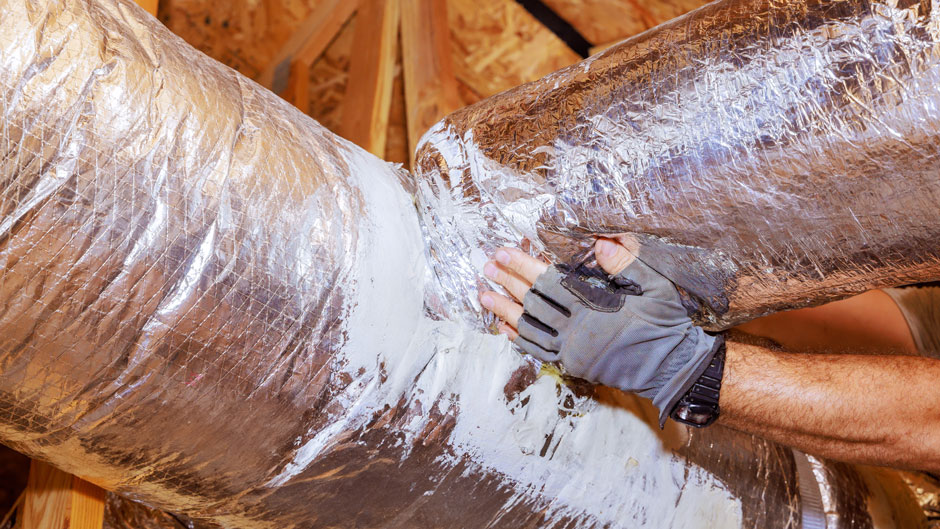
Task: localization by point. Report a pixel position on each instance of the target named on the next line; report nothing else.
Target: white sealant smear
(601, 461)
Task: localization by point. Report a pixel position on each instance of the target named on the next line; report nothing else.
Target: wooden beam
(149, 5)
(298, 87)
(430, 84)
(307, 43)
(56, 500)
(371, 76)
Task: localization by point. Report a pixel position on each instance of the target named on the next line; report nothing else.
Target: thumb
(612, 256)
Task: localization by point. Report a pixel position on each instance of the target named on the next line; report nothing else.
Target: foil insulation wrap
(764, 155)
(927, 491)
(211, 304)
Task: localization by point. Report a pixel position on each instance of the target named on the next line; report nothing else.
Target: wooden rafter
(430, 84)
(291, 65)
(371, 75)
(56, 500)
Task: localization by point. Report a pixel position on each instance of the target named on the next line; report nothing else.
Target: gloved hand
(628, 331)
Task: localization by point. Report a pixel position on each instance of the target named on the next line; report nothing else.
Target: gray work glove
(628, 331)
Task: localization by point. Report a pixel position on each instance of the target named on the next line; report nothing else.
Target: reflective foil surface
(765, 154)
(211, 304)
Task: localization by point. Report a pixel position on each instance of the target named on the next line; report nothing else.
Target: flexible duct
(766, 154)
(212, 304)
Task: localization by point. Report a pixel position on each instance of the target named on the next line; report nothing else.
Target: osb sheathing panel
(497, 45)
(606, 21)
(244, 35)
(328, 78)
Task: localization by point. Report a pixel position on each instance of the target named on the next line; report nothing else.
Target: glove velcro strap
(687, 373)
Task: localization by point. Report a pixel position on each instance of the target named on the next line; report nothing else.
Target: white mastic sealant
(588, 459)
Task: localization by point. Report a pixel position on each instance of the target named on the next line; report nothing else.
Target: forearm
(882, 410)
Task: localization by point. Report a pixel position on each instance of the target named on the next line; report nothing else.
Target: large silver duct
(766, 154)
(210, 303)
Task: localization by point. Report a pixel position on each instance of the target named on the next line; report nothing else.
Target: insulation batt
(211, 304)
(765, 155)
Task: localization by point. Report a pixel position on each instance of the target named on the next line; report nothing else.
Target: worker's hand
(627, 329)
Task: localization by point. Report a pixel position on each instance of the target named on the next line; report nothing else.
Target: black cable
(557, 25)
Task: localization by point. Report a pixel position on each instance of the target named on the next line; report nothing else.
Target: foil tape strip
(813, 515)
(926, 489)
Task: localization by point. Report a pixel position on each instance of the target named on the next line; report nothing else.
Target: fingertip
(520, 263)
(605, 248)
(507, 330)
(490, 270)
(612, 256)
(487, 300)
(628, 241)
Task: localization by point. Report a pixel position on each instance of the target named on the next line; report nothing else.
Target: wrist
(699, 405)
(694, 359)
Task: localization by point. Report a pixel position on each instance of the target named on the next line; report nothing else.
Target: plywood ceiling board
(244, 35)
(497, 45)
(605, 21)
